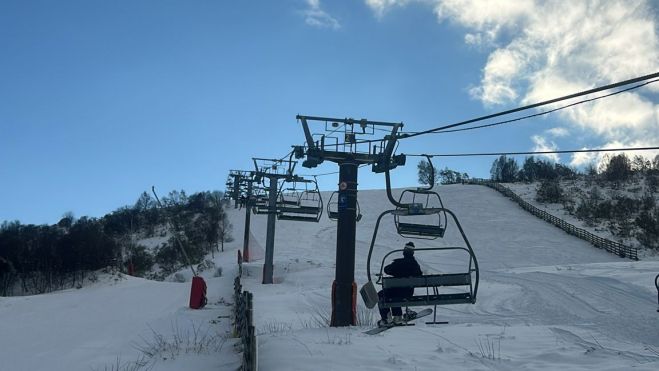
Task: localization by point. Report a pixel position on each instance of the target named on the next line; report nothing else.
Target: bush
(141, 258)
(619, 168)
(167, 256)
(649, 225)
(550, 191)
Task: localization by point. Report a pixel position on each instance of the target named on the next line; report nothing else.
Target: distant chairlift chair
(261, 200)
(333, 208)
(307, 208)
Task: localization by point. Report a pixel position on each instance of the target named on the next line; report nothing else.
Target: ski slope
(546, 301)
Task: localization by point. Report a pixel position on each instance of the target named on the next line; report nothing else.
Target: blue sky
(101, 100)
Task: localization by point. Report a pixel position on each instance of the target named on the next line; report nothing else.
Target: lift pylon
(241, 181)
(339, 144)
(274, 170)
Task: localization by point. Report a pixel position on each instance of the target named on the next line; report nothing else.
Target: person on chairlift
(406, 266)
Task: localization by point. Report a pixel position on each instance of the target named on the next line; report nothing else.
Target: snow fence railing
(617, 248)
(244, 326)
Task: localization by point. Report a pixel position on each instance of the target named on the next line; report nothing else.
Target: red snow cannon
(198, 293)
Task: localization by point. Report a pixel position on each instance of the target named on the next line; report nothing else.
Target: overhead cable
(537, 152)
(545, 112)
(443, 129)
(535, 105)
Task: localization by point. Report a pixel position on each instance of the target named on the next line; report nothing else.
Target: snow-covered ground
(104, 325)
(546, 301)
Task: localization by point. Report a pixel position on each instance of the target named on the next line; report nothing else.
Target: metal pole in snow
(270, 238)
(343, 295)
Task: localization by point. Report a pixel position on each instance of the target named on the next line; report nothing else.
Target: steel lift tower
(274, 171)
(242, 183)
(339, 144)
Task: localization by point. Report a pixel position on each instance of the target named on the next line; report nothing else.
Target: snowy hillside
(546, 301)
(578, 190)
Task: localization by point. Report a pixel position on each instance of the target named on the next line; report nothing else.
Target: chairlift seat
(297, 218)
(424, 300)
(429, 298)
(412, 229)
(260, 210)
(432, 280)
(300, 210)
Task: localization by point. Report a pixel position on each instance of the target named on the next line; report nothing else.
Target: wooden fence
(244, 326)
(603, 243)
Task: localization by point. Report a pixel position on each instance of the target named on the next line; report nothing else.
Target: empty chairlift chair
(333, 208)
(307, 208)
(260, 205)
(424, 215)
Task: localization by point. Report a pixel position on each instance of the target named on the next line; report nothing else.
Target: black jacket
(400, 268)
(403, 267)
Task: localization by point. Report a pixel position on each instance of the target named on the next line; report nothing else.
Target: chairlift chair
(289, 196)
(261, 199)
(437, 289)
(423, 219)
(308, 206)
(333, 208)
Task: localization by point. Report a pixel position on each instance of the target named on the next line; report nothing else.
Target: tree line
(616, 168)
(626, 214)
(42, 258)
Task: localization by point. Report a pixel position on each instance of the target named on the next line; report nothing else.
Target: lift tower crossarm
(349, 121)
(316, 153)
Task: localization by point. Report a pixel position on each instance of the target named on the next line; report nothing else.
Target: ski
(381, 329)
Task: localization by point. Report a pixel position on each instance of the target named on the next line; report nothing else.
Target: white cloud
(561, 47)
(581, 159)
(497, 86)
(488, 16)
(558, 132)
(599, 158)
(541, 144)
(546, 49)
(315, 16)
(380, 7)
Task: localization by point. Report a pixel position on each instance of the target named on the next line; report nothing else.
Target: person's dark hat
(408, 250)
